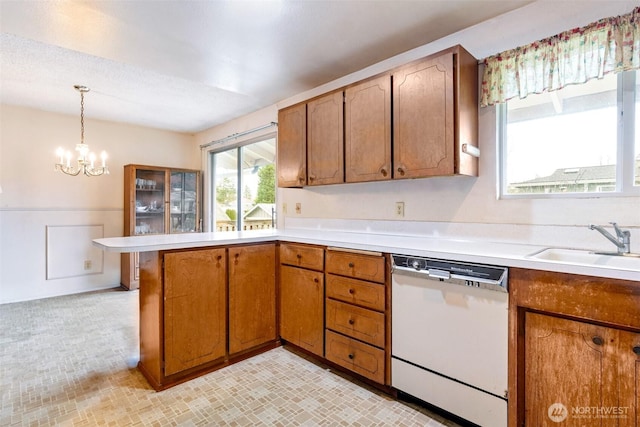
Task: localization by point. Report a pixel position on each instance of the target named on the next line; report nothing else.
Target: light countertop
(475, 251)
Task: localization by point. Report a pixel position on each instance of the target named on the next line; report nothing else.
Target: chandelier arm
(68, 170)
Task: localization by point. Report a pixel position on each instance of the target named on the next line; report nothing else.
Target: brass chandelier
(86, 162)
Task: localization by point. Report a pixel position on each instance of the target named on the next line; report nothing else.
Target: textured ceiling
(189, 65)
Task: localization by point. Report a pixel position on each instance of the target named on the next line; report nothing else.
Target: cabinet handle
(301, 180)
(350, 265)
(315, 279)
(299, 256)
(383, 171)
(312, 177)
(351, 321)
(636, 350)
(401, 171)
(219, 257)
(351, 356)
(352, 291)
(597, 340)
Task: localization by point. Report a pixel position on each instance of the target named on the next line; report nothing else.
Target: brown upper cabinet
(325, 140)
(411, 122)
(367, 112)
(292, 146)
(435, 112)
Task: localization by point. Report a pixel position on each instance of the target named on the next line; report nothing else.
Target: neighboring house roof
(597, 174)
(261, 211)
(221, 215)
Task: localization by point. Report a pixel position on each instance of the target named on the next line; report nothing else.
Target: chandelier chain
(81, 117)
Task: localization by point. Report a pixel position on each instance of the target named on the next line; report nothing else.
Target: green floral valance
(574, 56)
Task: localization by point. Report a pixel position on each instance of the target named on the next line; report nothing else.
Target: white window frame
(210, 216)
(625, 149)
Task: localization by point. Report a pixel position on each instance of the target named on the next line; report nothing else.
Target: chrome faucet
(622, 240)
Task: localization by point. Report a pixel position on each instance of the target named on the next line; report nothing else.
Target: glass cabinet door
(183, 202)
(150, 202)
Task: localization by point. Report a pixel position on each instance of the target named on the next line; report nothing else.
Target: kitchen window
(581, 140)
(244, 186)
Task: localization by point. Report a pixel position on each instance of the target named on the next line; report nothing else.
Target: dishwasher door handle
(439, 274)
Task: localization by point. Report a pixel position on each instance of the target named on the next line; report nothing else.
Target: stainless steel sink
(585, 257)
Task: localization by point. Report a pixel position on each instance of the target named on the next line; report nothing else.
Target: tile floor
(69, 361)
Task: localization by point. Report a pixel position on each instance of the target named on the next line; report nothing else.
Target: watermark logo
(557, 412)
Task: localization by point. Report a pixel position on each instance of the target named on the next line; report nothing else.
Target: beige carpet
(68, 361)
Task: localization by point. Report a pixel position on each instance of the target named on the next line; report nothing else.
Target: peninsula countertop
(475, 251)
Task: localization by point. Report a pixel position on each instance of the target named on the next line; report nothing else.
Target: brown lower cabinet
(574, 356)
(302, 296)
(205, 308)
(185, 296)
(357, 313)
(252, 296)
(194, 309)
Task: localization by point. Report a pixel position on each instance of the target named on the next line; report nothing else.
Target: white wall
(460, 199)
(34, 196)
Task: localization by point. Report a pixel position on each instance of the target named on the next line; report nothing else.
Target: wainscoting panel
(70, 252)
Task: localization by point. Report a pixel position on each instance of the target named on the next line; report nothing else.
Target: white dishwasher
(450, 335)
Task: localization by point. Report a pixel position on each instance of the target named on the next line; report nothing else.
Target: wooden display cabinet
(157, 200)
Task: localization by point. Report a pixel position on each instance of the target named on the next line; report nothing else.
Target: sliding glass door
(244, 187)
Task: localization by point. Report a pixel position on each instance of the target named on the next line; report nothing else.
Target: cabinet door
(149, 208)
(292, 152)
(184, 209)
(568, 364)
(368, 130)
(325, 141)
(302, 308)
(252, 296)
(194, 308)
(629, 375)
(423, 118)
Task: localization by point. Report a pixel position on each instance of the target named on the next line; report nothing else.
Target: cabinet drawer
(359, 292)
(361, 358)
(302, 256)
(359, 266)
(360, 323)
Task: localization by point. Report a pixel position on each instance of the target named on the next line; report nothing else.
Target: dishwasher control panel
(472, 275)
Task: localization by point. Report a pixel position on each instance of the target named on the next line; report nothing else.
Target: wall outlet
(399, 209)
(298, 208)
(87, 264)
(284, 208)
